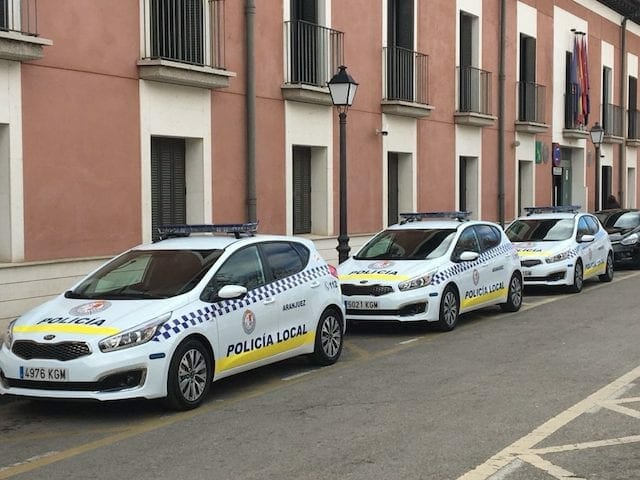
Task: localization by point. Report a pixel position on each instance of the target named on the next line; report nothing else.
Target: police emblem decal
(90, 308)
(381, 264)
(248, 322)
(476, 277)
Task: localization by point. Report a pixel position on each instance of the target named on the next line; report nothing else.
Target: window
(593, 224)
(168, 182)
(400, 50)
(527, 85)
(4, 15)
(633, 107)
(583, 228)
(409, 244)
(489, 236)
(283, 259)
(177, 30)
(301, 190)
(466, 243)
(242, 268)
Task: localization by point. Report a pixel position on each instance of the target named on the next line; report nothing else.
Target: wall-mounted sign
(557, 170)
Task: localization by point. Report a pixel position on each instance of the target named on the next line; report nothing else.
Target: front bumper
(419, 305)
(538, 272)
(626, 254)
(136, 372)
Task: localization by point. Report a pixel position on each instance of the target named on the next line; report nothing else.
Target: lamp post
(597, 135)
(343, 90)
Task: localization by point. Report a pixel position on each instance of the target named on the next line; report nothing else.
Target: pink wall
(81, 132)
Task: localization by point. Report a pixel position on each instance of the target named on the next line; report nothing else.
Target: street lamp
(597, 135)
(343, 90)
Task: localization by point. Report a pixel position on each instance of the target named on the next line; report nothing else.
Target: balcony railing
(612, 120)
(313, 53)
(185, 31)
(474, 90)
(633, 130)
(531, 102)
(19, 16)
(406, 74)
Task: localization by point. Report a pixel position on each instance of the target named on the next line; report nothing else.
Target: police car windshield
(540, 230)
(147, 274)
(409, 244)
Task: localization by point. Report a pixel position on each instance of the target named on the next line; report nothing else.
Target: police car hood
(72, 319)
(386, 271)
(542, 249)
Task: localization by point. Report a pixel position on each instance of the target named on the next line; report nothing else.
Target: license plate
(361, 304)
(44, 374)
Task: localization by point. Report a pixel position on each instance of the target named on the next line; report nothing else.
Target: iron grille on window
(406, 75)
(612, 120)
(634, 124)
(474, 89)
(19, 16)
(313, 53)
(187, 31)
(531, 99)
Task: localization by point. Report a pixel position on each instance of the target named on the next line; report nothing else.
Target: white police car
(560, 246)
(166, 319)
(431, 267)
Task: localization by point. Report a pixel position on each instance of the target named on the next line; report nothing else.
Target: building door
(606, 187)
(305, 67)
(168, 182)
(527, 93)
(301, 189)
(400, 49)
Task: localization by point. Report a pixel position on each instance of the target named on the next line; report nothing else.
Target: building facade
(117, 116)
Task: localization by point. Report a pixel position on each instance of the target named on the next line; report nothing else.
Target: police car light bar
(417, 216)
(553, 209)
(166, 231)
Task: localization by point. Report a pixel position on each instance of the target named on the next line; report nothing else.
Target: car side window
(282, 258)
(583, 228)
(467, 242)
(241, 268)
(488, 236)
(593, 224)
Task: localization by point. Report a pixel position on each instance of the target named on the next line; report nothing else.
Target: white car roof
(437, 224)
(551, 215)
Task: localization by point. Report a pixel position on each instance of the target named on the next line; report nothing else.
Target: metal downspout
(250, 12)
(501, 113)
(624, 100)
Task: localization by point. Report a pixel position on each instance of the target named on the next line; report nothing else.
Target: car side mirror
(468, 256)
(586, 238)
(229, 292)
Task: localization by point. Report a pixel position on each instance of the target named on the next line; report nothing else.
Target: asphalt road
(552, 391)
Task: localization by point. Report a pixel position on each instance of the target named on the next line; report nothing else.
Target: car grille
(372, 290)
(530, 263)
(62, 351)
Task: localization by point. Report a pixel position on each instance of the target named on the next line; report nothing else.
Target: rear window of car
(409, 244)
(283, 259)
(540, 230)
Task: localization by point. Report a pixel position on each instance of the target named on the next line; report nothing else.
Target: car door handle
(268, 301)
(314, 284)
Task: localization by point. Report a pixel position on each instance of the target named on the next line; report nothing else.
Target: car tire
(449, 309)
(578, 278)
(514, 295)
(329, 338)
(190, 375)
(607, 276)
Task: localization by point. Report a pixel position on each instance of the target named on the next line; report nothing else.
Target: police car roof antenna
(169, 231)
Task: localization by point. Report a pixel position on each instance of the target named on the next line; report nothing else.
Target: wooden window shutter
(168, 182)
(301, 189)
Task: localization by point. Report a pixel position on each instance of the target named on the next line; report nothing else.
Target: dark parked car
(623, 225)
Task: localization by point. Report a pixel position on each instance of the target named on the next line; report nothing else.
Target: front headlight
(134, 336)
(630, 240)
(417, 282)
(6, 336)
(559, 257)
